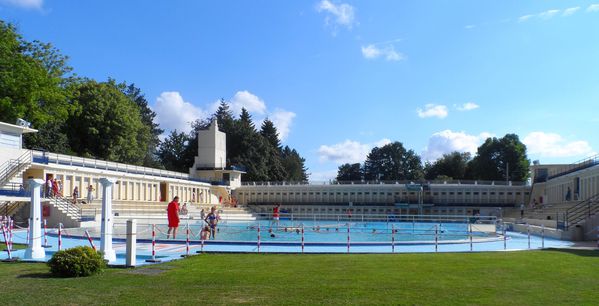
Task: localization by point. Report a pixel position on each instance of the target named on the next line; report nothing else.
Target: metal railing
(582, 211)
(362, 217)
(9, 208)
(13, 166)
(377, 182)
(579, 165)
(14, 190)
(44, 157)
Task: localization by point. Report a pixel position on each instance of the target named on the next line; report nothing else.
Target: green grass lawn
(510, 278)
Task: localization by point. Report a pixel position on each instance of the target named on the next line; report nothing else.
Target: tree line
(113, 121)
(495, 159)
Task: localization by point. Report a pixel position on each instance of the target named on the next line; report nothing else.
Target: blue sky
(339, 77)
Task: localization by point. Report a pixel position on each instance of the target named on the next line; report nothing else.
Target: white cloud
(342, 13)
(593, 8)
(467, 106)
(282, 120)
(571, 11)
(388, 52)
(349, 151)
(27, 4)
(548, 14)
(246, 99)
(173, 113)
(448, 141)
(432, 110)
(554, 145)
(469, 27)
(524, 18)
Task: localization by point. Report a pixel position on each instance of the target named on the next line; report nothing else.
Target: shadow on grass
(36, 275)
(586, 253)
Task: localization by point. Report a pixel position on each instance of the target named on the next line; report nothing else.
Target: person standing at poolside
(55, 189)
(172, 211)
(75, 194)
(49, 187)
(90, 194)
(212, 220)
(276, 214)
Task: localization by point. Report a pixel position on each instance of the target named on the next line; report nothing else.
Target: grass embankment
(516, 278)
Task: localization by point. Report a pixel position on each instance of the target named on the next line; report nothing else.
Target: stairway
(66, 206)
(14, 167)
(583, 210)
(9, 208)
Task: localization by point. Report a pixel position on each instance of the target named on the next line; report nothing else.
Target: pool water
(314, 232)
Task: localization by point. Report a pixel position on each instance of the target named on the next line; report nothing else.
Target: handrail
(61, 159)
(381, 217)
(582, 210)
(12, 166)
(579, 165)
(374, 182)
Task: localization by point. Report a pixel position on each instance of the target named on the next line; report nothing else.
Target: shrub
(75, 262)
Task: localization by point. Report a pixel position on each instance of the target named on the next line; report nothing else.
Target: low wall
(538, 231)
(486, 228)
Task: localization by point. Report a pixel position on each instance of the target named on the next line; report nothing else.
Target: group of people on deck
(173, 211)
(54, 189)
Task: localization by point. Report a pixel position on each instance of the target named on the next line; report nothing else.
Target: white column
(34, 247)
(106, 235)
(131, 246)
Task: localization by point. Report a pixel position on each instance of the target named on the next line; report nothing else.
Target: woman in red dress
(172, 212)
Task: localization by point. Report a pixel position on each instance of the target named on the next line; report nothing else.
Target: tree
(249, 149)
(495, 155)
(171, 152)
(392, 162)
(294, 165)
(450, 166)
(147, 118)
(269, 131)
(34, 86)
(107, 125)
(350, 172)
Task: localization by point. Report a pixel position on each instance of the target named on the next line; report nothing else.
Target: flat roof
(16, 128)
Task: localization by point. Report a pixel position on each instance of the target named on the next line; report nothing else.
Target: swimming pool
(319, 237)
(315, 232)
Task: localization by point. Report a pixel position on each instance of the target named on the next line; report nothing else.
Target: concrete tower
(211, 162)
